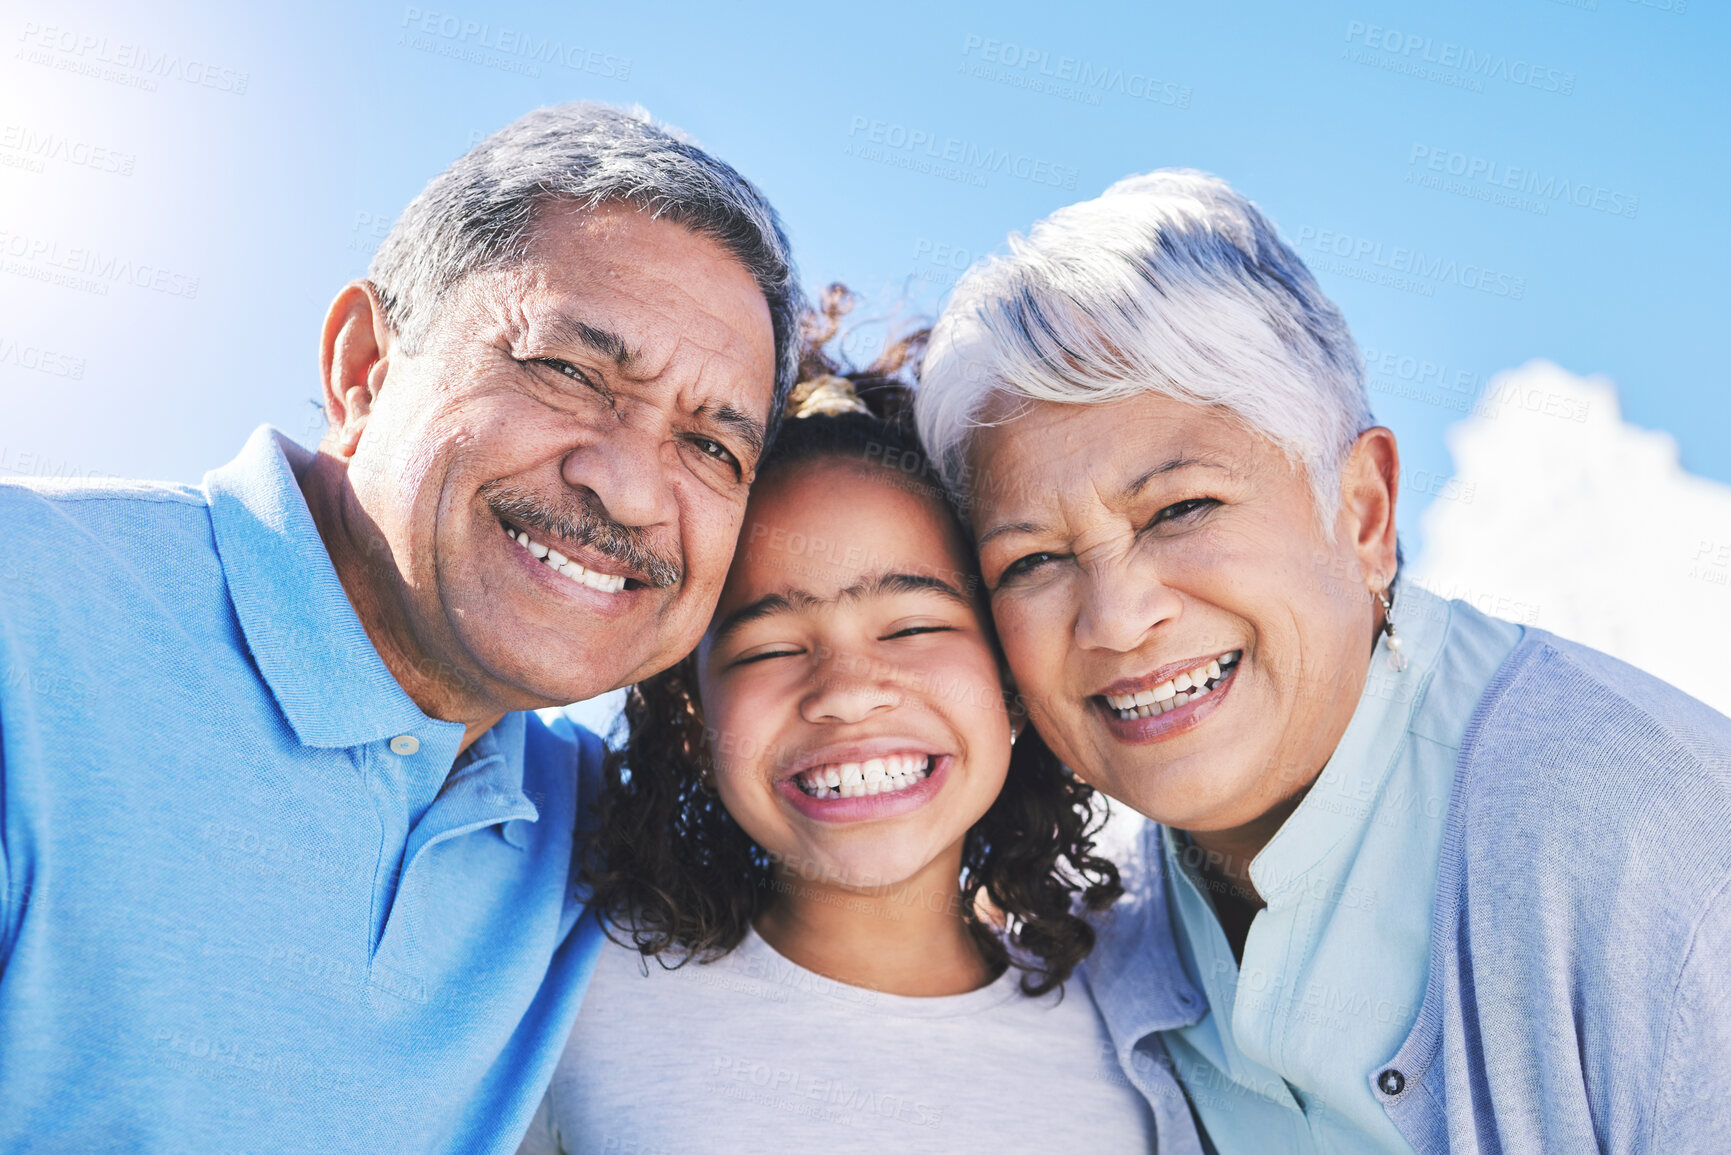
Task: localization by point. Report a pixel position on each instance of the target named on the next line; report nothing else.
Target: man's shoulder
(559, 754)
(52, 517)
(552, 734)
(18, 494)
(73, 540)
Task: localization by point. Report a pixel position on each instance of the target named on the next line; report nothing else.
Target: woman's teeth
(857, 779)
(1183, 689)
(607, 583)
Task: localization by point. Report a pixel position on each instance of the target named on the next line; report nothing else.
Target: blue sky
(184, 186)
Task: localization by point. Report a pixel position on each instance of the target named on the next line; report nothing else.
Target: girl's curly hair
(670, 867)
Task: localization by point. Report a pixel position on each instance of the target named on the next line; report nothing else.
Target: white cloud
(1564, 516)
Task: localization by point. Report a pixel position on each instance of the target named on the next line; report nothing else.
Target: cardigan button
(1391, 1082)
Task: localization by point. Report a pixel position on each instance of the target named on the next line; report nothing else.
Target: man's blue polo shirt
(246, 904)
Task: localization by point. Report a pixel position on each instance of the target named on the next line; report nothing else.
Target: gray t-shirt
(753, 1053)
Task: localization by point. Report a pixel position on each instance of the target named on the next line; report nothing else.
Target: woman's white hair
(1169, 283)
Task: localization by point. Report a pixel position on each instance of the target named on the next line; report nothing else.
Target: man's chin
(540, 667)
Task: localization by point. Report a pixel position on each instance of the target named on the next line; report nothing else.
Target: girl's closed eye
(911, 631)
(764, 653)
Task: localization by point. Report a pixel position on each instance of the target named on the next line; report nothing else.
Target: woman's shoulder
(1588, 778)
(1562, 717)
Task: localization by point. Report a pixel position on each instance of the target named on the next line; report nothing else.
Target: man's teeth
(605, 582)
(1180, 691)
(858, 779)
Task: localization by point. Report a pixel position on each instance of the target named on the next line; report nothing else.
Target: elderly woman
(1422, 879)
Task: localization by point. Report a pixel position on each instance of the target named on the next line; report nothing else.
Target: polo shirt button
(1391, 1082)
(405, 744)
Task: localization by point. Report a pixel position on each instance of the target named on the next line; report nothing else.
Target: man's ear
(1369, 486)
(354, 353)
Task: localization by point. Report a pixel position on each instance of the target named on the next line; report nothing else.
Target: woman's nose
(1120, 605)
(850, 687)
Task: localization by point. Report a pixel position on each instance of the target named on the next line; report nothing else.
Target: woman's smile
(1163, 704)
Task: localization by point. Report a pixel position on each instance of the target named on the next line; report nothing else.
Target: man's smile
(552, 555)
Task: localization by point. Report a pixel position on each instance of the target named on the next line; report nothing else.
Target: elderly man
(1425, 880)
(285, 860)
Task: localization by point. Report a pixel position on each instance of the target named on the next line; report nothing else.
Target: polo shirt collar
(305, 637)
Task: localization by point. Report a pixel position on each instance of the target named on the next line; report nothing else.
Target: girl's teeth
(863, 779)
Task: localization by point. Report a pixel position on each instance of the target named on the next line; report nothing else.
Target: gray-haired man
(285, 862)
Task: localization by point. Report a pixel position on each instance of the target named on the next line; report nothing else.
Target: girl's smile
(855, 695)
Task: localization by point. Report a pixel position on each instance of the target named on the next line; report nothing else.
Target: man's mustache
(580, 518)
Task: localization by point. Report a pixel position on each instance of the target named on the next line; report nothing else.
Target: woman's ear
(1369, 487)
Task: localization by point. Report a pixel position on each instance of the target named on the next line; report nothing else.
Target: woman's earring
(1014, 733)
(1390, 639)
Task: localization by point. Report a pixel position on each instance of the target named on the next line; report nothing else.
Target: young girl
(859, 881)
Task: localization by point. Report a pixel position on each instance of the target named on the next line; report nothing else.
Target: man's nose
(627, 469)
(1120, 604)
(849, 687)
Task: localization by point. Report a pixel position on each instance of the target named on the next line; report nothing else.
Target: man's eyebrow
(1131, 490)
(746, 427)
(792, 601)
(569, 330)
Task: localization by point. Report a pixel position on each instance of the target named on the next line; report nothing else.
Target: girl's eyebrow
(882, 584)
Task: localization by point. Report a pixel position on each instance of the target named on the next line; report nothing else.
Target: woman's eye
(1023, 566)
(1180, 510)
